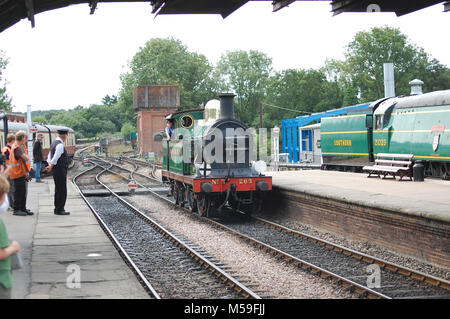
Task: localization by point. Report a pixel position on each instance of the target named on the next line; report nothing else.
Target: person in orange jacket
(6, 151)
(19, 175)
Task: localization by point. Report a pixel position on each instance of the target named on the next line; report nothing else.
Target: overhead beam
(29, 5)
(340, 6)
(280, 4)
(93, 5)
(156, 5)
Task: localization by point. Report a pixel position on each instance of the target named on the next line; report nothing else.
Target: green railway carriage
(418, 125)
(346, 141)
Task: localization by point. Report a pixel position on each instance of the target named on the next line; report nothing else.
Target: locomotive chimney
(226, 106)
(416, 87)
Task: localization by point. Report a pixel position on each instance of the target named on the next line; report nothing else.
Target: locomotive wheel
(182, 197)
(235, 205)
(257, 206)
(191, 201)
(204, 206)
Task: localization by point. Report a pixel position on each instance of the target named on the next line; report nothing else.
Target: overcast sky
(72, 58)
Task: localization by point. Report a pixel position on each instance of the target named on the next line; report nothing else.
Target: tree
(350, 95)
(302, 91)
(246, 74)
(127, 129)
(39, 119)
(437, 77)
(109, 100)
(167, 61)
(368, 51)
(5, 100)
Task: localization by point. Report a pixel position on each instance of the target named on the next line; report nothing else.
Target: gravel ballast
(274, 278)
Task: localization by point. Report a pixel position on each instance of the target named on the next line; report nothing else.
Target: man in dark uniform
(59, 163)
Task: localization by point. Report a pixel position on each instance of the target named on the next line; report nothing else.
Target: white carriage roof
(436, 98)
(17, 126)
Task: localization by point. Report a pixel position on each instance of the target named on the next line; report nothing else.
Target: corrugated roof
(12, 11)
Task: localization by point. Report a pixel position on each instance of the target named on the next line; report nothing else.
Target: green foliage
(109, 100)
(246, 74)
(127, 129)
(167, 61)
(368, 51)
(249, 74)
(93, 121)
(39, 119)
(303, 91)
(350, 95)
(5, 100)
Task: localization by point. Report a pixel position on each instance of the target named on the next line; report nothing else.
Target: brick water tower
(152, 103)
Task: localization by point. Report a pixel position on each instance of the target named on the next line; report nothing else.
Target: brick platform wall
(414, 236)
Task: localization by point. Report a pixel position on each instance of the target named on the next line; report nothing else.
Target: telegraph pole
(260, 114)
(261, 137)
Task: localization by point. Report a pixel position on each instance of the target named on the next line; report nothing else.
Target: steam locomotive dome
(227, 141)
(212, 111)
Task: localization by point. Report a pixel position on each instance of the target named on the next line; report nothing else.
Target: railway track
(167, 265)
(365, 275)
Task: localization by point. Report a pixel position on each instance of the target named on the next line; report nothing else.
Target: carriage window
(379, 122)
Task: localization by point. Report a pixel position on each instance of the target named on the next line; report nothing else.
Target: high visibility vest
(18, 168)
(4, 150)
(25, 150)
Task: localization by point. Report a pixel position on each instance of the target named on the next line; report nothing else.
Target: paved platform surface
(428, 199)
(54, 246)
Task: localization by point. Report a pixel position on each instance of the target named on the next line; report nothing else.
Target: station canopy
(12, 11)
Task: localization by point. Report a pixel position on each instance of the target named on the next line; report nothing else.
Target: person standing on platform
(28, 164)
(6, 151)
(58, 163)
(19, 175)
(37, 156)
(6, 248)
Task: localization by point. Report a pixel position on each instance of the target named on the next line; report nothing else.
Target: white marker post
(275, 146)
(30, 140)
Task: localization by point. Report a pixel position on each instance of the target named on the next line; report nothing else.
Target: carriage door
(306, 147)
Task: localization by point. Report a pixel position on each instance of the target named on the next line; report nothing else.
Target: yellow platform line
(344, 132)
(356, 154)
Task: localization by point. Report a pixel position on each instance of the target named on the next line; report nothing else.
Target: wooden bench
(391, 164)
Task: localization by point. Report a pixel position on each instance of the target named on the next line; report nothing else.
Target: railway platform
(66, 256)
(411, 218)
